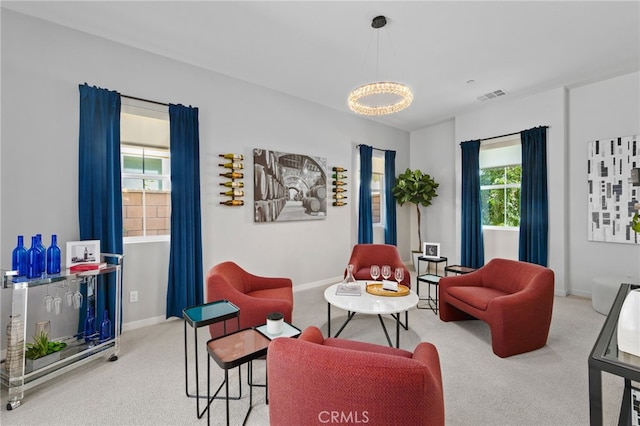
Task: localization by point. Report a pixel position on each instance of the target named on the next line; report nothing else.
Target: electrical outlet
(133, 296)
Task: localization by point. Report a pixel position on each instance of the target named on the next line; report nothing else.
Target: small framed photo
(431, 250)
(83, 252)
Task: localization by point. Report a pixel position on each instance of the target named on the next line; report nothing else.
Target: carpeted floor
(146, 385)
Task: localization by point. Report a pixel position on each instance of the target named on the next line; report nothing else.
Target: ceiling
(320, 50)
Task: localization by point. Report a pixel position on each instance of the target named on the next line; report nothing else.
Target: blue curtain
(534, 204)
(365, 210)
(472, 252)
(99, 190)
(185, 284)
(390, 231)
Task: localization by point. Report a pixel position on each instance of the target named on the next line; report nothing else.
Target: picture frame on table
(83, 253)
(431, 250)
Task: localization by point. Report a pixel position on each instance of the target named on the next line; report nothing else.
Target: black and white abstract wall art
(289, 186)
(613, 168)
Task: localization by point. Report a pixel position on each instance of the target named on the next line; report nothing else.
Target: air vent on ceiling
(491, 95)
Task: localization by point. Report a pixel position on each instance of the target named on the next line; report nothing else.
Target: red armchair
(514, 298)
(313, 380)
(365, 255)
(255, 296)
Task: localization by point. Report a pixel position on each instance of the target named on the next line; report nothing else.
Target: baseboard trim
(143, 323)
(315, 284)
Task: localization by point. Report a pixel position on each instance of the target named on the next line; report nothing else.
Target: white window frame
(148, 110)
(501, 152)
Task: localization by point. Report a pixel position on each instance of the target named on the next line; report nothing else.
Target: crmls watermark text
(355, 417)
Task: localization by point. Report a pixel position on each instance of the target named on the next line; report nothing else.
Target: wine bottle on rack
(339, 169)
(339, 196)
(233, 193)
(339, 203)
(339, 190)
(339, 176)
(234, 157)
(235, 184)
(232, 165)
(232, 175)
(232, 203)
(338, 183)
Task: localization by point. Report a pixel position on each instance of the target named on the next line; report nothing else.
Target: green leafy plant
(635, 223)
(41, 346)
(418, 188)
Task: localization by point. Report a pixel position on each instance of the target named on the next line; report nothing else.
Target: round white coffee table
(370, 304)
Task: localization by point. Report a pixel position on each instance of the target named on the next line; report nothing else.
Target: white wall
(498, 117)
(42, 65)
(606, 109)
(433, 152)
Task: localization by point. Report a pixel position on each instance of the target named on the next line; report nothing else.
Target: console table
(606, 357)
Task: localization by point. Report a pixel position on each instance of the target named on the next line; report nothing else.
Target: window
(500, 174)
(500, 192)
(146, 173)
(377, 190)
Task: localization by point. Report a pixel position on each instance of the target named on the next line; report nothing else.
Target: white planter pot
(629, 324)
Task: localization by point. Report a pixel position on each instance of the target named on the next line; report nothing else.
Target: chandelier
(382, 97)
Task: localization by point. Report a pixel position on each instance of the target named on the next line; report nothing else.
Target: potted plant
(414, 186)
(42, 352)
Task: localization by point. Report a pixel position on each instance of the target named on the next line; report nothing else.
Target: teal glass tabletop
(209, 313)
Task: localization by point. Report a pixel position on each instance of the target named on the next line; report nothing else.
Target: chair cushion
(478, 297)
(282, 293)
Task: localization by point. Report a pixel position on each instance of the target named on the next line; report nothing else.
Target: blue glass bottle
(34, 259)
(53, 256)
(19, 260)
(105, 327)
(89, 322)
(43, 257)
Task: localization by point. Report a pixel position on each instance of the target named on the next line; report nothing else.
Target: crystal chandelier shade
(391, 97)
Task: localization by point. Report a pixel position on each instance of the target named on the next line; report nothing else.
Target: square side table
(201, 316)
(232, 351)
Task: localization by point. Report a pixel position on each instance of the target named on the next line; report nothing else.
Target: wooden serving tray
(377, 290)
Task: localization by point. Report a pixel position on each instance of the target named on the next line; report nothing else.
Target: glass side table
(201, 316)
(232, 351)
(430, 279)
(606, 357)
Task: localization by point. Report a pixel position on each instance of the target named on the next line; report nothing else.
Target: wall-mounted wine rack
(339, 187)
(235, 175)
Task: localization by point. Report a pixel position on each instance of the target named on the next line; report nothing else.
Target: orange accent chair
(365, 255)
(255, 296)
(313, 380)
(514, 298)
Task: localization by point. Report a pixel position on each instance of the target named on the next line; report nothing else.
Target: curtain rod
(144, 100)
(373, 147)
(508, 134)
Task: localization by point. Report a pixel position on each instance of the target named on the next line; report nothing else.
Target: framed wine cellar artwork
(613, 167)
(289, 187)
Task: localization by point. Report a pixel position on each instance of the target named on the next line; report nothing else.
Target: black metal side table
(605, 356)
(201, 316)
(430, 279)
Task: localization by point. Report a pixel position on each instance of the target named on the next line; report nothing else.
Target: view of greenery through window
(500, 192)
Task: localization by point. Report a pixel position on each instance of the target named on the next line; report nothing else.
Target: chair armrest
(312, 334)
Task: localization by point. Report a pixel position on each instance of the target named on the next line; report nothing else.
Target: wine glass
(386, 271)
(77, 297)
(375, 272)
(57, 303)
(68, 295)
(48, 300)
(399, 275)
